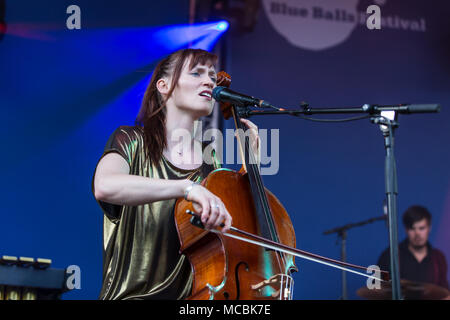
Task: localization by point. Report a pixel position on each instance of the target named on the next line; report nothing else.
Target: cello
(227, 268)
(256, 259)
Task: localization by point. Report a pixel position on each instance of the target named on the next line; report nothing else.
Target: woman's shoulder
(129, 132)
(125, 137)
(131, 129)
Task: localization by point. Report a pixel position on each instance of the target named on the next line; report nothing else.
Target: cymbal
(410, 290)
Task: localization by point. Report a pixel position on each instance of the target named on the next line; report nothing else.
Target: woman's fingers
(214, 215)
(211, 209)
(249, 124)
(253, 132)
(223, 219)
(218, 216)
(197, 207)
(228, 221)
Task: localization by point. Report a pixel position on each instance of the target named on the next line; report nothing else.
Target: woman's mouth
(207, 94)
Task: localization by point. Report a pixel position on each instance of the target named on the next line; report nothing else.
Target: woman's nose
(208, 82)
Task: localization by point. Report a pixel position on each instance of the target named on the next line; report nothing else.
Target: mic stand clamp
(243, 111)
(383, 121)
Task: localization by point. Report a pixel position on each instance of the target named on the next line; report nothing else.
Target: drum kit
(410, 290)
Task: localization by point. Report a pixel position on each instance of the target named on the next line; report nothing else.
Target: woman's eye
(214, 79)
(195, 73)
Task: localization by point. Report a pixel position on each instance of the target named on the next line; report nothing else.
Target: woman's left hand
(254, 137)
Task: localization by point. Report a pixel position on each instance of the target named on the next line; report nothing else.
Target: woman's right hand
(211, 209)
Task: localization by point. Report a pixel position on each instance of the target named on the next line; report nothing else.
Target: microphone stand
(391, 187)
(342, 235)
(387, 126)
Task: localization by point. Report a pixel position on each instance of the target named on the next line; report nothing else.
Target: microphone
(223, 94)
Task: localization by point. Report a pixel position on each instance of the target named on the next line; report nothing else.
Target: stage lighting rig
(241, 14)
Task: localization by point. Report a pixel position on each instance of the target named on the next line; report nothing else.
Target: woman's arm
(114, 184)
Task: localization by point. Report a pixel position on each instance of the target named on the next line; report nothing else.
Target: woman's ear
(163, 86)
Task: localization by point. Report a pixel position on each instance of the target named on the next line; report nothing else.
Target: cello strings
(254, 171)
(292, 289)
(261, 192)
(260, 189)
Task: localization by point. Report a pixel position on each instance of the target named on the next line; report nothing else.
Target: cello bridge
(282, 286)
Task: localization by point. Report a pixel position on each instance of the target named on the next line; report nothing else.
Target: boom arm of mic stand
(367, 108)
(352, 225)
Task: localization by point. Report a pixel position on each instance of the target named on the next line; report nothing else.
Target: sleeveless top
(141, 258)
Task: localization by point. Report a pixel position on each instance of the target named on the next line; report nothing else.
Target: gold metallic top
(141, 258)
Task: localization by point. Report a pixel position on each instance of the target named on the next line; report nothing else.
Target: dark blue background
(63, 92)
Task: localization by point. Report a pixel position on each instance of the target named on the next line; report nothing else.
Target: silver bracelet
(188, 189)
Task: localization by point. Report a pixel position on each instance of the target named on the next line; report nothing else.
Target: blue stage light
(222, 26)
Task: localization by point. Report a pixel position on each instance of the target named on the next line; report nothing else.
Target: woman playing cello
(142, 172)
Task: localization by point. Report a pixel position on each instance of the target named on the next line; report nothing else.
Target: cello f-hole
(236, 275)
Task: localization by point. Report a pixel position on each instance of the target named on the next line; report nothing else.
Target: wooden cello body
(227, 268)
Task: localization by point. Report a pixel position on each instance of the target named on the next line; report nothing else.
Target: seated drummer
(418, 260)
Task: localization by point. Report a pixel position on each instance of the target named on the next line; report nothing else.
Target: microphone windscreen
(216, 92)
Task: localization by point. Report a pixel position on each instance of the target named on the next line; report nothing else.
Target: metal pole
(391, 194)
(343, 236)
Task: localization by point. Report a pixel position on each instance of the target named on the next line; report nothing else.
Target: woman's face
(194, 90)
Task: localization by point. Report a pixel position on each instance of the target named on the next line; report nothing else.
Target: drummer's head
(417, 222)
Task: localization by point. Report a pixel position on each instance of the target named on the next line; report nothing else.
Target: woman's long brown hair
(152, 115)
